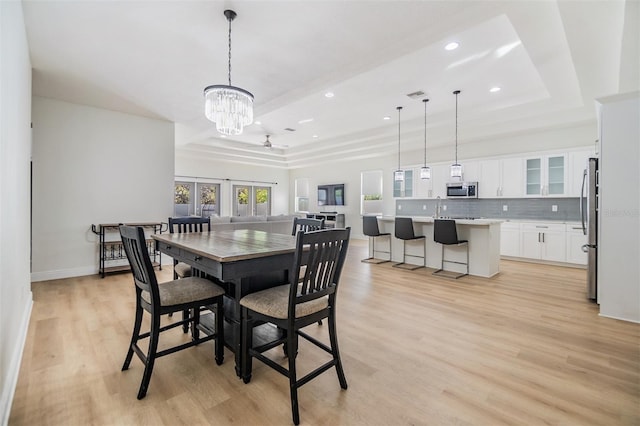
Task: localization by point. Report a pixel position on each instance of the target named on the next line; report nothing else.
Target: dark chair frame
(446, 234)
(183, 225)
(323, 253)
(133, 241)
(306, 225)
(404, 231)
(370, 228)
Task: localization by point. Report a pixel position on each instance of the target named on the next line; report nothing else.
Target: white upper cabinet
(470, 170)
(440, 175)
(500, 178)
(546, 175)
(577, 165)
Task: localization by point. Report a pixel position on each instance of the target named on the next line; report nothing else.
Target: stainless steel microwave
(462, 190)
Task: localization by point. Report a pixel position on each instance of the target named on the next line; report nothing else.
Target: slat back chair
(183, 225)
(187, 295)
(306, 225)
(296, 305)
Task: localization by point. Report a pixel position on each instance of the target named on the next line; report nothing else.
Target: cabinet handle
(168, 247)
(539, 237)
(198, 258)
(541, 226)
(543, 237)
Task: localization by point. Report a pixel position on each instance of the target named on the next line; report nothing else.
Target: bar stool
(370, 229)
(445, 233)
(404, 232)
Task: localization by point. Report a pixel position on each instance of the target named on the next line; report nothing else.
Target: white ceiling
(150, 58)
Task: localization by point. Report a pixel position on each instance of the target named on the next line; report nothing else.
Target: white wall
(228, 174)
(15, 150)
(93, 166)
(619, 218)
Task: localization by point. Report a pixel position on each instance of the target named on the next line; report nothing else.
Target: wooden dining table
(242, 261)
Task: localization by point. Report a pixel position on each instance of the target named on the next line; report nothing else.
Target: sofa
(279, 224)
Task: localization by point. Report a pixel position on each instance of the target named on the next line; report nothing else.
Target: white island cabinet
(484, 245)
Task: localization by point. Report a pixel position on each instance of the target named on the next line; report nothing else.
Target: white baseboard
(63, 273)
(11, 380)
(635, 320)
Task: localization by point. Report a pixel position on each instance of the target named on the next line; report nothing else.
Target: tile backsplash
(566, 209)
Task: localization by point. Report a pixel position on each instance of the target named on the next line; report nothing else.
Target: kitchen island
(484, 244)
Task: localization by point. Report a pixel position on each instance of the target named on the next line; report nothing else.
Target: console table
(112, 255)
(331, 219)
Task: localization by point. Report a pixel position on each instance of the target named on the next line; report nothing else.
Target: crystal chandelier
(456, 168)
(425, 171)
(398, 175)
(230, 107)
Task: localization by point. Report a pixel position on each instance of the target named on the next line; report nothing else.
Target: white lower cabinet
(544, 241)
(575, 240)
(510, 239)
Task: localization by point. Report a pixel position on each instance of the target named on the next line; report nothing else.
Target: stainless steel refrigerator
(589, 215)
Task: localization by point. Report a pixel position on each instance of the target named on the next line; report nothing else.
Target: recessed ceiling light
(494, 89)
(306, 120)
(386, 118)
(315, 136)
(223, 136)
(258, 122)
(329, 95)
(452, 46)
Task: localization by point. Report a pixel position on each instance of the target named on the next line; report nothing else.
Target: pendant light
(456, 168)
(230, 107)
(425, 171)
(398, 175)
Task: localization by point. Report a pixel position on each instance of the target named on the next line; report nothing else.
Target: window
(404, 188)
(196, 198)
(302, 195)
(251, 200)
(371, 192)
(183, 200)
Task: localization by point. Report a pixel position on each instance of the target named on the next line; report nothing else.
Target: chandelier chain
(229, 51)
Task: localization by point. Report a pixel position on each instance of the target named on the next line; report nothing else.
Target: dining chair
(183, 225)
(306, 224)
(370, 228)
(296, 305)
(404, 231)
(446, 234)
(187, 295)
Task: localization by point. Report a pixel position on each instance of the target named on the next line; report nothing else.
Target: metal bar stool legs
(373, 259)
(409, 266)
(443, 273)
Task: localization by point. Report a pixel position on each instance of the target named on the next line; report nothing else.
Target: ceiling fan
(268, 145)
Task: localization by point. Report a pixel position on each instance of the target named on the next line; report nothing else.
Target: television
(331, 195)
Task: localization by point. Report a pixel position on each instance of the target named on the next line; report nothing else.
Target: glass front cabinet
(546, 176)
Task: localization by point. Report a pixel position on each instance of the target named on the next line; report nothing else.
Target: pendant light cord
(425, 131)
(456, 93)
(399, 108)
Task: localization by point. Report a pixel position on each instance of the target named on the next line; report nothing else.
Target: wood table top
(230, 246)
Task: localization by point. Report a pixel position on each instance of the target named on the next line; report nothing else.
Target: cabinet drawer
(544, 227)
(169, 249)
(202, 263)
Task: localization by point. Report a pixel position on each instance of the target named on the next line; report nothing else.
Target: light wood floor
(524, 347)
